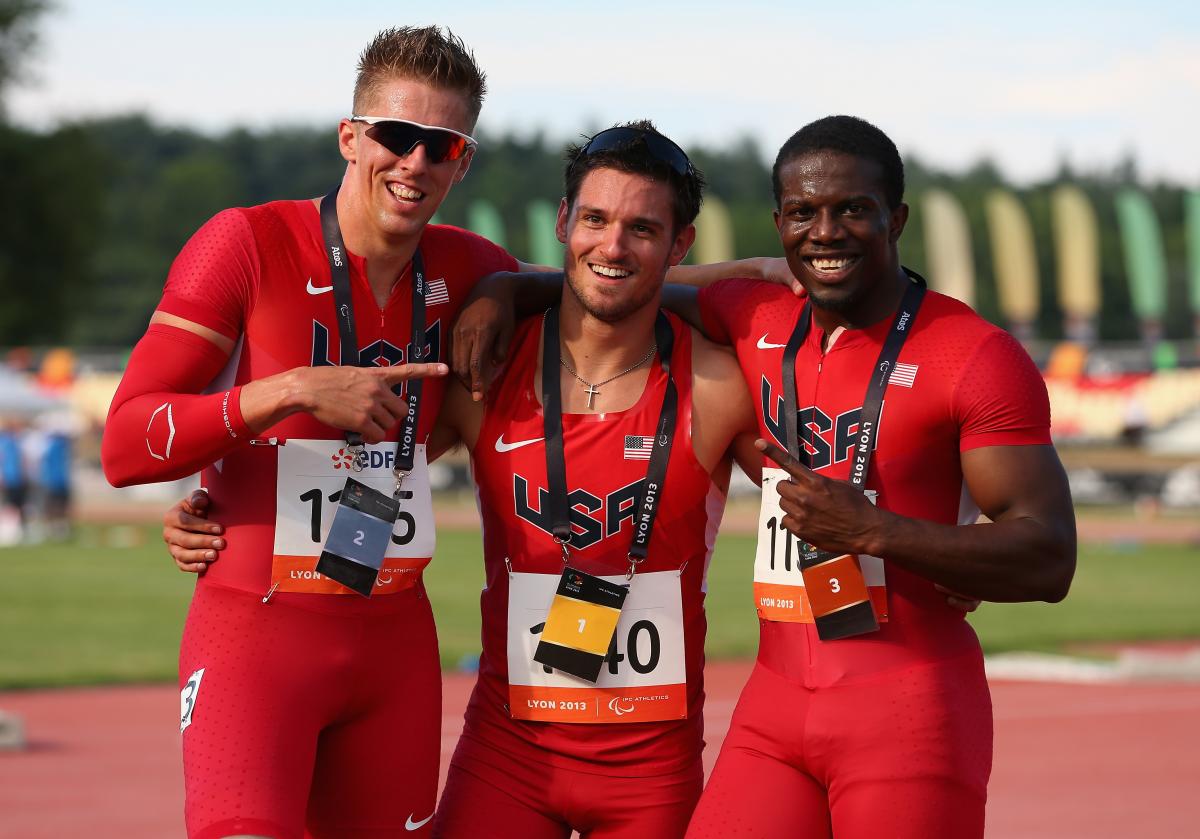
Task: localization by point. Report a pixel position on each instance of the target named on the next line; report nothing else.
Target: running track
(1071, 760)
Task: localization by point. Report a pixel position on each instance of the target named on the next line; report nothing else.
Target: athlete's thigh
(750, 794)
(909, 809)
(376, 770)
(478, 802)
(758, 787)
(634, 808)
(916, 753)
(247, 679)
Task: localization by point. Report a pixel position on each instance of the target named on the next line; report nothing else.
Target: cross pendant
(592, 391)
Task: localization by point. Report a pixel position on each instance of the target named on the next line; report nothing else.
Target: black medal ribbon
(854, 618)
(556, 466)
(339, 268)
(583, 660)
(358, 538)
(872, 405)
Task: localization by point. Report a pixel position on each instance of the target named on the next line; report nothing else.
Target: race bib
(779, 592)
(311, 475)
(644, 675)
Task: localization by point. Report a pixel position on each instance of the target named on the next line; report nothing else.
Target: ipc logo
(617, 706)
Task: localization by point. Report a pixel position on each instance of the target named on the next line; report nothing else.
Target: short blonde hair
(424, 54)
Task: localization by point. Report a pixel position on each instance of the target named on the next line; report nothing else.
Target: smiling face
(620, 240)
(838, 232)
(394, 196)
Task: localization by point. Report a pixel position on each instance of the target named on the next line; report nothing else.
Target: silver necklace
(593, 390)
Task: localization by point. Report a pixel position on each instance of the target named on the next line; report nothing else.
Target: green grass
(110, 606)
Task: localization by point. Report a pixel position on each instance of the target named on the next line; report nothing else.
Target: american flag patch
(904, 375)
(435, 292)
(638, 448)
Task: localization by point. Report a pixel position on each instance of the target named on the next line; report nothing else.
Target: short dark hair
(849, 135)
(423, 54)
(636, 158)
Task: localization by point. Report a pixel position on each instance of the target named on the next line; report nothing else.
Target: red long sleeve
(160, 427)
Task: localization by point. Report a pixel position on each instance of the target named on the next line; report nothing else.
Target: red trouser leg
(917, 754)
(303, 713)
(474, 806)
(502, 795)
(756, 790)
(377, 767)
(906, 755)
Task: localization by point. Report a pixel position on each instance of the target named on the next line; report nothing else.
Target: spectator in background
(16, 488)
(56, 481)
(47, 453)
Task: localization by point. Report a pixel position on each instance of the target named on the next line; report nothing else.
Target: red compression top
(605, 468)
(960, 383)
(260, 275)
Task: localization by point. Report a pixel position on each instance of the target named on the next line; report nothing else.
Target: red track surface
(1071, 760)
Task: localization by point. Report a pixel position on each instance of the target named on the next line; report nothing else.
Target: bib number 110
(779, 532)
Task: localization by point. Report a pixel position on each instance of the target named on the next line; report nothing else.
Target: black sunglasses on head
(661, 149)
(401, 136)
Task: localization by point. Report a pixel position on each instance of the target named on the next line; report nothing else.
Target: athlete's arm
(722, 413)
(534, 268)
(684, 300)
(1026, 551)
(160, 427)
(772, 269)
(747, 456)
(485, 325)
(479, 342)
(458, 423)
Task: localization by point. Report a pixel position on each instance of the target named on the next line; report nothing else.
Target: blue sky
(1026, 84)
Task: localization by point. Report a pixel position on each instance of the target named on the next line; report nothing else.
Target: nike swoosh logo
(764, 344)
(502, 446)
(313, 289)
(410, 825)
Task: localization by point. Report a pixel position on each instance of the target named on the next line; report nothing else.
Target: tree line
(93, 213)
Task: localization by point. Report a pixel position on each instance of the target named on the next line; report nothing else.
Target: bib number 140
(639, 631)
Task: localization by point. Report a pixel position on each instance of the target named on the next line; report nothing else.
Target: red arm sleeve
(1000, 398)
(159, 428)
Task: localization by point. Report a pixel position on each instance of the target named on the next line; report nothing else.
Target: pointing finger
(404, 372)
(786, 462)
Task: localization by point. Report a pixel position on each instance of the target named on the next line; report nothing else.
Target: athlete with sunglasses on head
(604, 449)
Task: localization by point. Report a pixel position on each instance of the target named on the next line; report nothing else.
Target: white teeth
(830, 264)
(401, 191)
(605, 271)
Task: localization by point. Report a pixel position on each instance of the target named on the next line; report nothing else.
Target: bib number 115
(404, 522)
